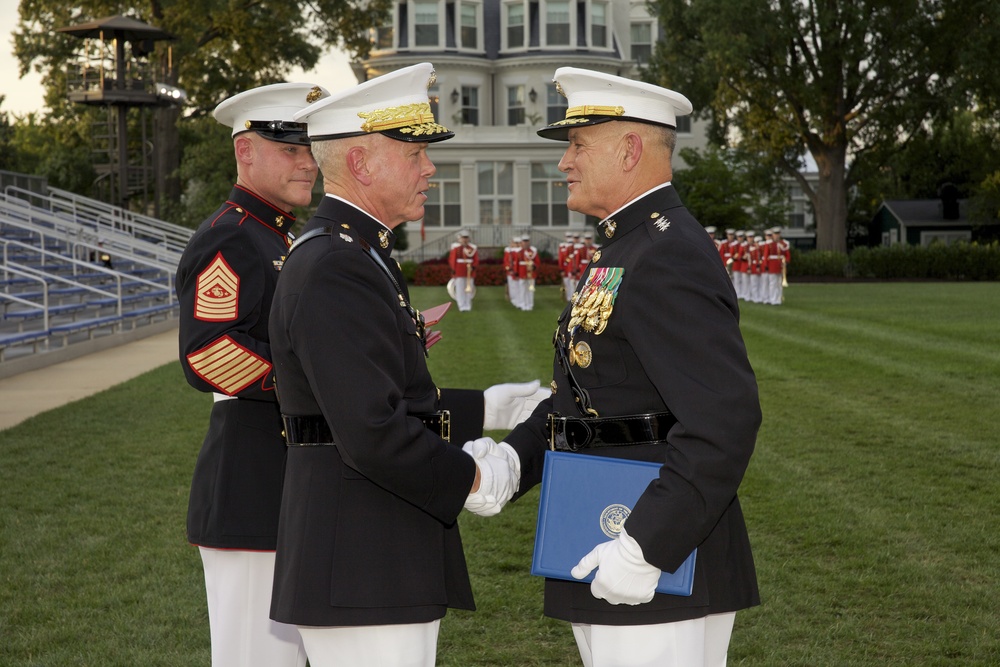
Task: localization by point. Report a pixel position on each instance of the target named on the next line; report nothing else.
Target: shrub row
(958, 261)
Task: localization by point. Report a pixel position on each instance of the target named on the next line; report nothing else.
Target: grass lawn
(872, 498)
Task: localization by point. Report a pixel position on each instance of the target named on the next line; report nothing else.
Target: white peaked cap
(395, 104)
(595, 97)
(270, 111)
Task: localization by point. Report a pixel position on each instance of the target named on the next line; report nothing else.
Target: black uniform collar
(648, 207)
(342, 212)
(262, 211)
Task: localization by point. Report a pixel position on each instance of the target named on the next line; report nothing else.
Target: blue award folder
(584, 501)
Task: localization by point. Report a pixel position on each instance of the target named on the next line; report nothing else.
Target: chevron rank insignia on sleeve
(217, 292)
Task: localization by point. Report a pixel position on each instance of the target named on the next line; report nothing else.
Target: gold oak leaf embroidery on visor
(217, 292)
(379, 120)
(227, 365)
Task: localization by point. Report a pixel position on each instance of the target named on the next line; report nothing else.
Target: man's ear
(357, 165)
(246, 151)
(633, 151)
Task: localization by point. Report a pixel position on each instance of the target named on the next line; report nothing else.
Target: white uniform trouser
(527, 294)
(570, 285)
(411, 645)
(513, 292)
(239, 608)
(463, 298)
(700, 642)
(773, 288)
(740, 284)
(753, 292)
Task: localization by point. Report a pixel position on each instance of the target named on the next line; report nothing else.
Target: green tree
(725, 189)
(221, 47)
(836, 79)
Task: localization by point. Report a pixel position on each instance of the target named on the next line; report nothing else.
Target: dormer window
(599, 24)
(642, 41)
(515, 25)
(426, 22)
(469, 30)
(470, 26)
(558, 29)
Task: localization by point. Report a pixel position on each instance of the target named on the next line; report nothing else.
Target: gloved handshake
(504, 407)
(499, 475)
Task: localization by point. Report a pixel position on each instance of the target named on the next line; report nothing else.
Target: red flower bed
(433, 272)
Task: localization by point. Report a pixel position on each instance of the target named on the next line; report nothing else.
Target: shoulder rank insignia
(593, 303)
(662, 223)
(217, 292)
(346, 237)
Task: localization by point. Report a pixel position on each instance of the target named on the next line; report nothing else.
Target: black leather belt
(313, 431)
(571, 434)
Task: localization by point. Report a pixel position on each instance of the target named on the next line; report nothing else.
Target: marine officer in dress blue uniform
(225, 282)
(634, 379)
(369, 553)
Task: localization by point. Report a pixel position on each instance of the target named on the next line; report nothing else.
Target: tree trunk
(830, 199)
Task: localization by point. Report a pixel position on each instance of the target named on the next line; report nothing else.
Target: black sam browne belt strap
(571, 434)
(313, 431)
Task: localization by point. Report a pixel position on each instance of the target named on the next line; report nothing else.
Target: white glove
(499, 475)
(507, 405)
(623, 576)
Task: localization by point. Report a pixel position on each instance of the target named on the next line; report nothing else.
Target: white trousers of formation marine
(406, 645)
(514, 291)
(462, 297)
(239, 610)
(700, 642)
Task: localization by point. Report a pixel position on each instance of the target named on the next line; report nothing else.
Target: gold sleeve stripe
(227, 365)
(217, 293)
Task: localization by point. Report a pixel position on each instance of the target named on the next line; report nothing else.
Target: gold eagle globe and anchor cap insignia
(395, 104)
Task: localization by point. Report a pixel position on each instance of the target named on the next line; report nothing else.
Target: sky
(24, 95)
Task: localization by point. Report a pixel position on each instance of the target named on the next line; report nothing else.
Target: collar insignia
(279, 222)
(383, 239)
(609, 228)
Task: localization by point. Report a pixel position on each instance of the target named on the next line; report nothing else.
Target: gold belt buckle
(445, 425)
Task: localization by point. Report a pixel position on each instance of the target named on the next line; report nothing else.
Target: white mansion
(494, 61)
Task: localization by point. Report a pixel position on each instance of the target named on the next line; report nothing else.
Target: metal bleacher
(74, 269)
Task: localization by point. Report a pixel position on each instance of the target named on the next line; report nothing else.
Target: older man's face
(591, 166)
(401, 181)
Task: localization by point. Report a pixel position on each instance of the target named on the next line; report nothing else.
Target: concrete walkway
(35, 391)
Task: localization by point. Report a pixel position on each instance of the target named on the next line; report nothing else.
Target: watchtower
(107, 74)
